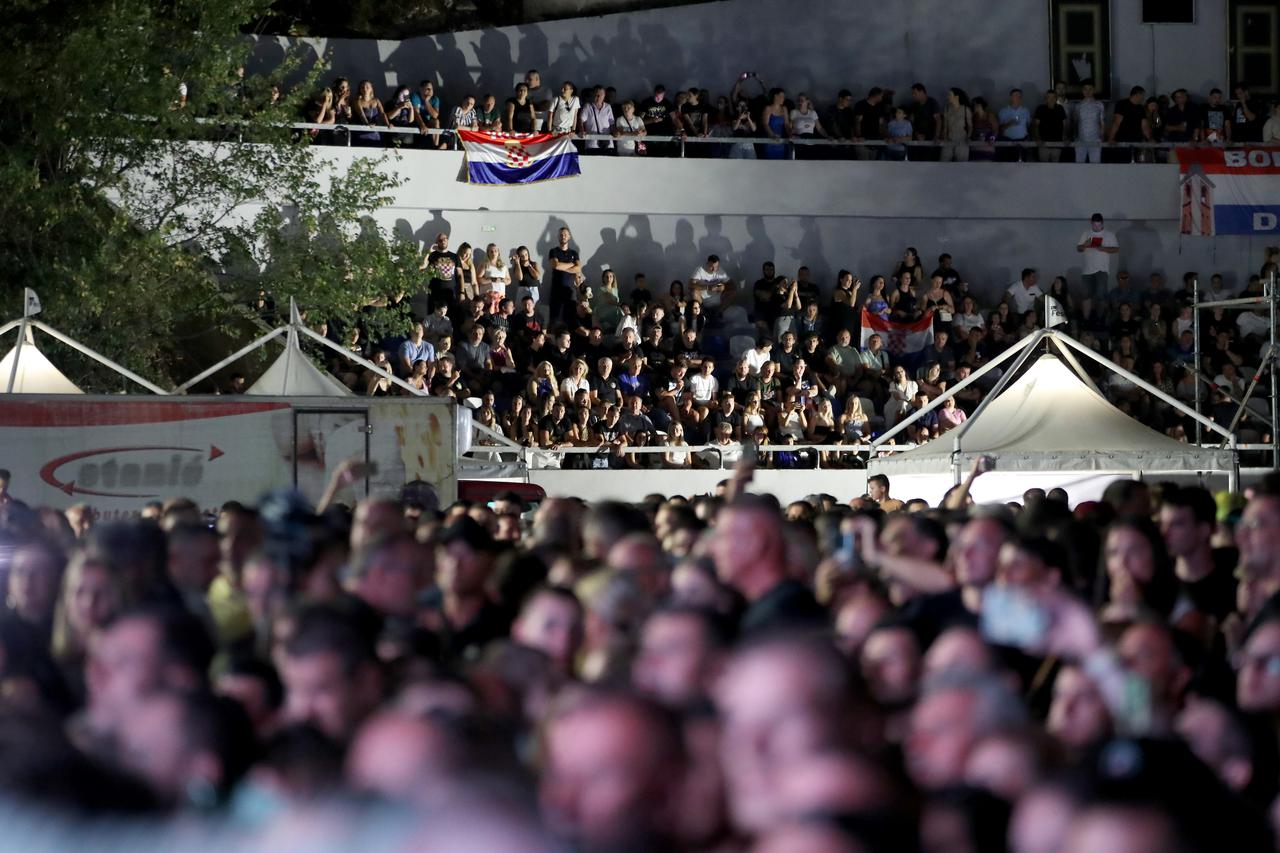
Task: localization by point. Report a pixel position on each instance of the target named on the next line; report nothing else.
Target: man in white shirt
(704, 385)
(1097, 245)
(759, 356)
(596, 118)
(1024, 292)
(710, 282)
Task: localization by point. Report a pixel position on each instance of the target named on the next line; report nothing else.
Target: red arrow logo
(48, 472)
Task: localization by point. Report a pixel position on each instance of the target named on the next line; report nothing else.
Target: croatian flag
(518, 158)
(904, 342)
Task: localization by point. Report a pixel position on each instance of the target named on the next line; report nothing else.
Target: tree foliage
(135, 217)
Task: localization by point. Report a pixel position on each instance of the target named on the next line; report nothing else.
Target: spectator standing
(776, 122)
(1246, 115)
(806, 125)
(897, 134)
(840, 120)
(597, 119)
(442, 271)
(957, 127)
(985, 131)
(1049, 125)
(1129, 124)
(628, 129)
(867, 124)
(656, 113)
(521, 115)
(1215, 120)
(1180, 121)
(1015, 125)
(926, 121)
(489, 115)
(1271, 130)
(1097, 245)
(1090, 117)
(566, 275)
(562, 114)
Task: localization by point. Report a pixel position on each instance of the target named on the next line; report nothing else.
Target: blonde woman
(575, 382)
(92, 595)
(677, 458)
(542, 385)
(494, 278)
(853, 418)
(606, 303)
(369, 110)
(752, 413)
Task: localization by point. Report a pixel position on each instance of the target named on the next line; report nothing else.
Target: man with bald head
(375, 518)
(641, 555)
(750, 552)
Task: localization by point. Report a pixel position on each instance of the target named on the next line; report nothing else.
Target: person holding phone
(1097, 245)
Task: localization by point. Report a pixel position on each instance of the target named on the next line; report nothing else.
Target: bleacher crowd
(918, 126)
(711, 673)
(551, 360)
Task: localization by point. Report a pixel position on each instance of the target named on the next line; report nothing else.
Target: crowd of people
(553, 361)
(879, 125)
(714, 672)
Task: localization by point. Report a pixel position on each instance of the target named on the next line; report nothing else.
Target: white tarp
(294, 375)
(1049, 420)
(36, 374)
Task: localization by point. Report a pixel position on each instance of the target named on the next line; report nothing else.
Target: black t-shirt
(559, 278)
(1178, 115)
(1131, 116)
(717, 417)
(786, 358)
(951, 278)
(694, 115)
(556, 429)
(1215, 594)
(741, 388)
(1053, 122)
(657, 116)
(1242, 129)
(922, 118)
(839, 122)
(1215, 117)
(789, 606)
(606, 390)
(870, 115)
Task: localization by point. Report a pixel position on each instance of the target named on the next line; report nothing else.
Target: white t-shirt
(702, 281)
(564, 114)
(704, 388)
(627, 144)
(756, 359)
(1022, 300)
(1252, 324)
(803, 123)
(1096, 260)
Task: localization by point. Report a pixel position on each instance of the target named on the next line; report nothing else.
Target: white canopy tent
(1049, 420)
(293, 374)
(35, 374)
(26, 370)
(1053, 419)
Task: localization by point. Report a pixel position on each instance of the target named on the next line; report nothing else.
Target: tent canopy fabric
(293, 374)
(36, 374)
(1049, 420)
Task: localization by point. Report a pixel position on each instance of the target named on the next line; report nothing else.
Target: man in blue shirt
(1015, 125)
(415, 348)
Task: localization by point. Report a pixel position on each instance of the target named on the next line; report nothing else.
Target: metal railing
(348, 131)
(529, 455)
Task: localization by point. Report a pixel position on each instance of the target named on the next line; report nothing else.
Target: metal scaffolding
(1266, 363)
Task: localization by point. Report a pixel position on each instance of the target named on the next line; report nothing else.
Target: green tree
(137, 217)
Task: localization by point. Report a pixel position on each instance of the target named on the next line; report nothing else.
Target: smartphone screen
(1011, 617)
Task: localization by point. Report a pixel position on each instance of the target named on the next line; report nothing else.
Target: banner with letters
(1229, 191)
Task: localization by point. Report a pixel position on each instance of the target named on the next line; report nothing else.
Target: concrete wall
(662, 217)
(1164, 57)
(814, 45)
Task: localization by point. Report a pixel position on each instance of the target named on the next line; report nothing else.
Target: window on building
(1080, 44)
(1255, 45)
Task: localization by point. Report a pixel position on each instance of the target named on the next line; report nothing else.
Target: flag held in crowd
(903, 341)
(518, 158)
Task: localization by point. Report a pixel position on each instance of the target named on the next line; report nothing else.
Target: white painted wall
(662, 217)
(815, 45)
(1164, 57)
